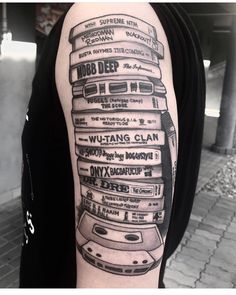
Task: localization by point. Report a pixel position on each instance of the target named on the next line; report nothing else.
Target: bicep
(114, 79)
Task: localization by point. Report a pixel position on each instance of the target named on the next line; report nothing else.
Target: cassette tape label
(130, 203)
(114, 120)
(121, 215)
(107, 68)
(118, 20)
(121, 138)
(110, 103)
(131, 156)
(117, 34)
(118, 171)
(111, 50)
(123, 188)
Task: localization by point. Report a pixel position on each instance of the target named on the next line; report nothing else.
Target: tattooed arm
(114, 79)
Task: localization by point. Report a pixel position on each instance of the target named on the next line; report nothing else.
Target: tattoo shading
(125, 143)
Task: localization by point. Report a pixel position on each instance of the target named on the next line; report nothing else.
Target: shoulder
(89, 27)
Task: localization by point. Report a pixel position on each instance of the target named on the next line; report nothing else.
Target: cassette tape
(129, 156)
(124, 85)
(117, 34)
(111, 67)
(114, 120)
(133, 248)
(122, 215)
(111, 50)
(110, 20)
(121, 138)
(115, 87)
(116, 261)
(125, 188)
(118, 236)
(122, 202)
(103, 170)
(119, 103)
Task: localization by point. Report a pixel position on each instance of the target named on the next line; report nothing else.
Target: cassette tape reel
(115, 248)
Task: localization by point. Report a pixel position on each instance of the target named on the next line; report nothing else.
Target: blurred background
(201, 260)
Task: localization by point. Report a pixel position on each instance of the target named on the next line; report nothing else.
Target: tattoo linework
(125, 143)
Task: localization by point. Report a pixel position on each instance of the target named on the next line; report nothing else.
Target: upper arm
(114, 79)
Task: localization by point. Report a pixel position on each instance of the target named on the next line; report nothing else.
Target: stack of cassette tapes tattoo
(122, 127)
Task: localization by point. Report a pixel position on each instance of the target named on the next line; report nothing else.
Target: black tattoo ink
(125, 143)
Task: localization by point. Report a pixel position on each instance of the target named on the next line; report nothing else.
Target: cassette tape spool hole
(132, 237)
(100, 230)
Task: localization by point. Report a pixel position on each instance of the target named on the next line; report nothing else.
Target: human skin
(114, 79)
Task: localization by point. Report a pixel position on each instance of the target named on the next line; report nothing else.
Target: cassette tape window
(114, 79)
